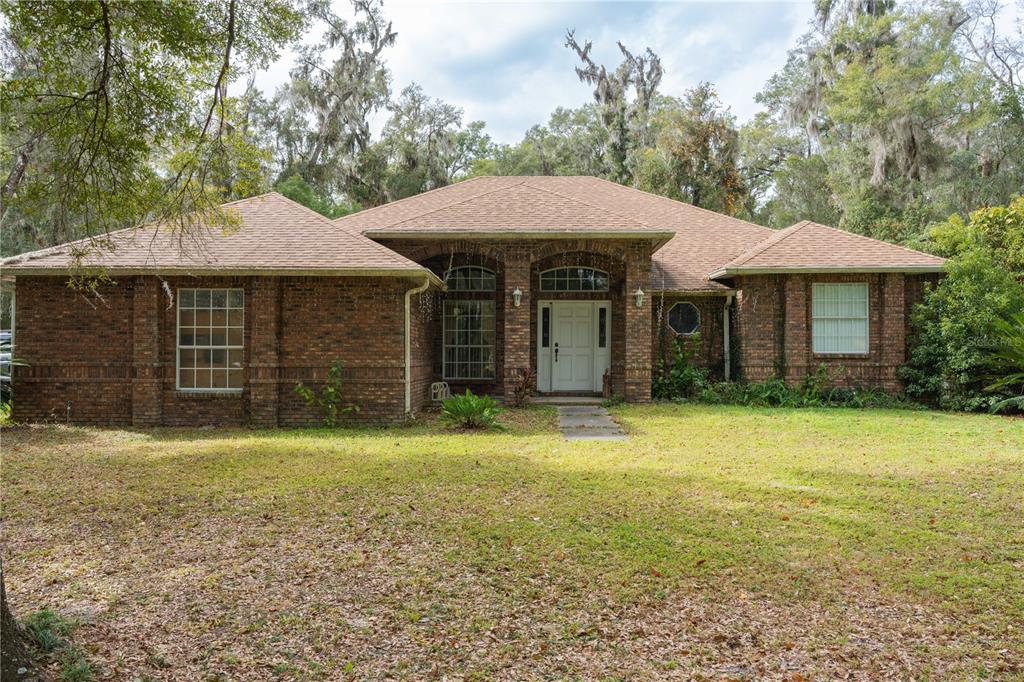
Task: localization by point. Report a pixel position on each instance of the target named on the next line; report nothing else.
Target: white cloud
(505, 63)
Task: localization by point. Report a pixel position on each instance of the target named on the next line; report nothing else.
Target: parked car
(5, 365)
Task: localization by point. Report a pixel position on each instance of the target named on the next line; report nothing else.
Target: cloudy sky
(506, 63)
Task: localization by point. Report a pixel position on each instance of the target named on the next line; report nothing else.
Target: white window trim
(607, 278)
(494, 277)
(866, 318)
(445, 346)
(668, 323)
(178, 348)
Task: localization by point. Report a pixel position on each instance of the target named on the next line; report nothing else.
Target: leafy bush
(328, 399)
(816, 390)
(523, 387)
(681, 380)
(952, 339)
(956, 325)
(468, 411)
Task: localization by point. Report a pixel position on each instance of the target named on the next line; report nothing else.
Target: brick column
(264, 312)
(893, 335)
(147, 377)
(638, 325)
(517, 320)
(796, 350)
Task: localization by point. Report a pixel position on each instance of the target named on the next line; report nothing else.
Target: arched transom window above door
(574, 279)
(470, 278)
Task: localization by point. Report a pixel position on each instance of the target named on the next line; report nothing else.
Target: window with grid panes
(839, 317)
(210, 339)
(470, 278)
(574, 279)
(468, 339)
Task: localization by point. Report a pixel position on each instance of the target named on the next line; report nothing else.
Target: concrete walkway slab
(590, 422)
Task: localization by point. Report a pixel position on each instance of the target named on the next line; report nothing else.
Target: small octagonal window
(684, 318)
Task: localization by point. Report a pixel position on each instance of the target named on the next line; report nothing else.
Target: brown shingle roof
(703, 239)
(507, 206)
(274, 235)
(808, 246)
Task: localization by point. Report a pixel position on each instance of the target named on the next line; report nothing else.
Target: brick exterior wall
(111, 359)
(80, 352)
(773, 329)
(711, 352)
(425, 328)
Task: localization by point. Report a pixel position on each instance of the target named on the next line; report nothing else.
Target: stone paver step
(588, 423)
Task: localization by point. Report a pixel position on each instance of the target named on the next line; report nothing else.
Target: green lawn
(724, 542)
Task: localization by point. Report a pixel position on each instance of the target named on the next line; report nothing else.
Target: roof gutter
(15, 270)
(826, 269)
(658, 238)
(726, 351)
(408, 340)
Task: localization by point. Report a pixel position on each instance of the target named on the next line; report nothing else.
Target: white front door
(573, 345)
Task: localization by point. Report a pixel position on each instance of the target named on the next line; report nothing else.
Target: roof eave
(721, 291)
(16, 270)
(826, 269)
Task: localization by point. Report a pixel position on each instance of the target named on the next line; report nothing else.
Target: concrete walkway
(587, 422)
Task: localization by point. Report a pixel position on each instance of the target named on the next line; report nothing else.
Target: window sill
(207, 395)
(841, 356)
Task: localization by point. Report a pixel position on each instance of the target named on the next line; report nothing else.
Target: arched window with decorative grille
(574, 279)
(470, 278)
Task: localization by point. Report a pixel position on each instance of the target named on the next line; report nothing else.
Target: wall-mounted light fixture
(517, 297)
(639, 294)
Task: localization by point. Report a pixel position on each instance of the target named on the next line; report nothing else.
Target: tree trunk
(13, 641)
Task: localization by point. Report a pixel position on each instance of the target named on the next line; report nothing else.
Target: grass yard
(718, 542)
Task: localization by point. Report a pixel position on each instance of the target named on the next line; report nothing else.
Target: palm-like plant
(1007, 360)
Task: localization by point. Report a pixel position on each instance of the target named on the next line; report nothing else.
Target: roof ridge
(397, 257)
(676, 201)
(587, 203)
(446, 206)
(771, 240)
(870, 239)
(391, 204)
(57, 248)
(254, 196)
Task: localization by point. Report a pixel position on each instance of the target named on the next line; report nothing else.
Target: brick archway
(517, 261)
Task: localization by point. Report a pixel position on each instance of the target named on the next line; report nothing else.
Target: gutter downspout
(419, 289)
(725, 336)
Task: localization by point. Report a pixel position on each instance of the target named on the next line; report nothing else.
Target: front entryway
(573, 345)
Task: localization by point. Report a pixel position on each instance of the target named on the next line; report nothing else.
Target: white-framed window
(470, 278)
(684, 318)
(839, 317)
(574, 279)
(468, 339)
(210, 339)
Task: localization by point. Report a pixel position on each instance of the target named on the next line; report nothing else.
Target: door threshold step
(567, 400)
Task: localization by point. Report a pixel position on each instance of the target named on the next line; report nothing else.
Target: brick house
(585, 281)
